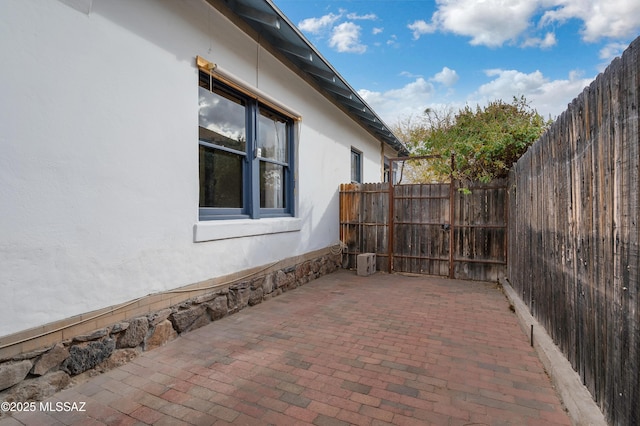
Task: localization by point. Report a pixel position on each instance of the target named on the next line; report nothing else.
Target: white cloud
(490, 22)
(409, 74)
(548, 41)
(616, 19)
(317, 25)
(421, 27)
(612, 50)
(495, 22)
(343, 36)
(548, 97)
(393, 40)
(411, 99)
(511, 82)
(367, 17)
(447, 76)
(346, 38)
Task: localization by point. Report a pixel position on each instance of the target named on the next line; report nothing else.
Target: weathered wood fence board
(574, 236)
(416, 237)
(364, 222)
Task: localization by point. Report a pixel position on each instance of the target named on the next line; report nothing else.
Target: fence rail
(574, 236)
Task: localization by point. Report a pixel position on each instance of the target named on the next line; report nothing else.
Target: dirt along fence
(574, 234)
(431, 229)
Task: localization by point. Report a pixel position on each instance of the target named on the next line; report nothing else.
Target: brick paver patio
(384, 349)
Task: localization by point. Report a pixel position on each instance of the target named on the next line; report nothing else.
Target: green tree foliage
(414, 131)
(485, 141)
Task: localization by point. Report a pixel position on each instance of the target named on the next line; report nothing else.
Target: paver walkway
(384, 349)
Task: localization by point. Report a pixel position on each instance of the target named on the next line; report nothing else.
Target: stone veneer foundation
(38, 374)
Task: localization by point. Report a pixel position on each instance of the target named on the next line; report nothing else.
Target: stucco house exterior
(156, 154)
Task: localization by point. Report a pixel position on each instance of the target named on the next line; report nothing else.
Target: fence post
(392, 162)
(452, 271)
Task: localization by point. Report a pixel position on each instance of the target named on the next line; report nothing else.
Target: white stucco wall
(99, 154)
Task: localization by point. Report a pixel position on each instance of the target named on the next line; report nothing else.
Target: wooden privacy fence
(429, 229)
(575, 235)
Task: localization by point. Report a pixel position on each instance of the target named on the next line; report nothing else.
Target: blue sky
(403, 56)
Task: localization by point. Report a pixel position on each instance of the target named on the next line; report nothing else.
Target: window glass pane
(222, 119)
(220, 178)
(272, 136)
(271, 185)
(386, 170)
(355, 167)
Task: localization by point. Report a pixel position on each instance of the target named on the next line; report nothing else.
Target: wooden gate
(431, 229)
(421, 231)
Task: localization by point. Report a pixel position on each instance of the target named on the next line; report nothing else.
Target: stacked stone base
(37, 375)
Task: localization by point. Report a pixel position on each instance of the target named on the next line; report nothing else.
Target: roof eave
(285, 39)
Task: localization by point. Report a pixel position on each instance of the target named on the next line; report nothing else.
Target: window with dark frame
(245, 155)
(386, 170)
(356, 166)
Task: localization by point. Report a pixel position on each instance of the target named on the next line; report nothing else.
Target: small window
(387, 169)
(245, 155)
(356, 166)
(390, 171)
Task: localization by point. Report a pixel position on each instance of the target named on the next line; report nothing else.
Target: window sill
(224, 229)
